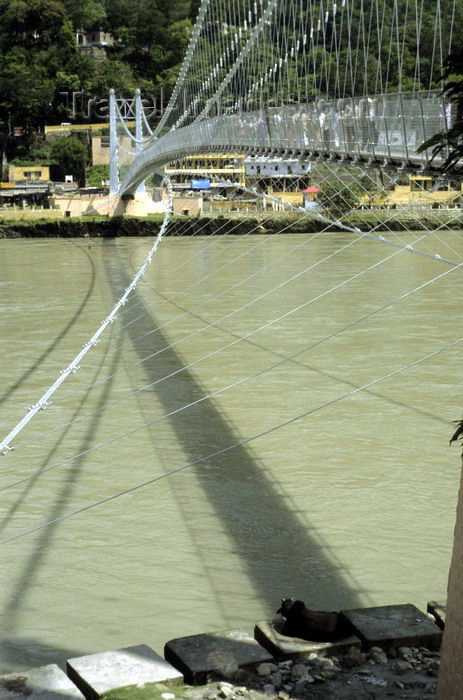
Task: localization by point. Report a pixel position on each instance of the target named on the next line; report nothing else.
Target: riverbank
(102, 227)
(390, 651)
(406, 672)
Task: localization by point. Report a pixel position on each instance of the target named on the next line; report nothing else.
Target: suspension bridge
(348, 83)
(379, 131)
(292, 327)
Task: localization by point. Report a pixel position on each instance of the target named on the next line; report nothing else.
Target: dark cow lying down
(315, 626)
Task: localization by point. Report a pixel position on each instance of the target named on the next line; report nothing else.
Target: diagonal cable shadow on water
(62, 334)
(189, 522)
(29, 652)
(281, 554)
(17, 504)
(25, 580)
(300, 363)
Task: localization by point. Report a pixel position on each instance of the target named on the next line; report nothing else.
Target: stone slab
(95, 674)
(394, 625)
(42, 683)
(197, 655)
(438, 611)
(268, 634)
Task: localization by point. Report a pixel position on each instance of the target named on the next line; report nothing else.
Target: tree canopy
(41, 64)
(69, 153)
(449, 143)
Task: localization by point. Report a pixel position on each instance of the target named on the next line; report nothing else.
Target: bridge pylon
(137, 203)
(113, 148)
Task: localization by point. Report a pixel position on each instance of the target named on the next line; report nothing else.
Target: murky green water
(351, 505)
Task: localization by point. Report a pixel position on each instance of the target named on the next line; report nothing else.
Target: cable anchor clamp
(70, 370)
(39, 405)
(6, 449)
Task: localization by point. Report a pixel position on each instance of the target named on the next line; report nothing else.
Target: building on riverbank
(419, 191)
(28, 173)
(227, 174)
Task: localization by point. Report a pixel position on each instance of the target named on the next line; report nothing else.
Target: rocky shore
(401, 660)
(406, 672)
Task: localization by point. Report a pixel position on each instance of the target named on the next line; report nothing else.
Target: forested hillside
(39, 57)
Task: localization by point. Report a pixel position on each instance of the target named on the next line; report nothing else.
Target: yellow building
(282, 179)
(287, 193)
(219, 168)
(30, 173)
(420, 190)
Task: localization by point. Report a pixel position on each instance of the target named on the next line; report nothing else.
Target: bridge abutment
(138, 204)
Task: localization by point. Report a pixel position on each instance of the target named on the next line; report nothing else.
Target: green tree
(36, 39)
(178, 37)
(33, 23)
(26, 96)
(449, 143)
(97, 174)
(85, 14)
(338, 197)
(70, 154)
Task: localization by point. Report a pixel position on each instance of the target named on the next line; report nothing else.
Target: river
(283, 453)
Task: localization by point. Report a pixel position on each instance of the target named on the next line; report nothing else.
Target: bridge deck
(386, 129)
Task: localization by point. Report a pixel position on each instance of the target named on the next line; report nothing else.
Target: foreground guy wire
(73, 367)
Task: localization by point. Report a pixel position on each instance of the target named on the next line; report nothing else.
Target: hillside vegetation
(41, 65)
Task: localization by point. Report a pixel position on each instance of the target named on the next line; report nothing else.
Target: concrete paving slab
(438, 611)
(95, 674)
(197, 655)
(42, 683)
(268, 634)
(394, 625)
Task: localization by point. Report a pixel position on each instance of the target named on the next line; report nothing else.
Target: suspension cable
(74, 366)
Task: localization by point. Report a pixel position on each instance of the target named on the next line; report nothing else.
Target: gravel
(406, 672)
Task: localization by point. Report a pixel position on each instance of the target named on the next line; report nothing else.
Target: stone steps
(42, 683)
(191, 659)
(95, 674)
